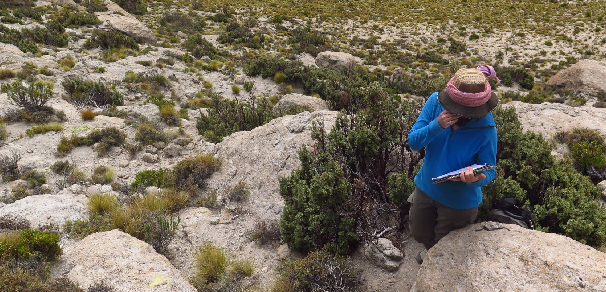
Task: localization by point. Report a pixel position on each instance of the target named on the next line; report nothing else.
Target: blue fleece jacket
(447, 150)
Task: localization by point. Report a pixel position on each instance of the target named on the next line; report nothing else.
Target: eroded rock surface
(122, 262)
(45, 210)
(585, 78)
(510, 258)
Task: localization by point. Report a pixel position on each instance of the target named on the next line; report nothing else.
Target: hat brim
(465, 111)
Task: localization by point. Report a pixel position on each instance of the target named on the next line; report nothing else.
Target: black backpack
(508, 211)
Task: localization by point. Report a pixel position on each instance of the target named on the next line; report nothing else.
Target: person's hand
(467, 176)
(445, 119)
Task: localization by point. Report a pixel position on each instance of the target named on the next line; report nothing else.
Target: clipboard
(477, 168)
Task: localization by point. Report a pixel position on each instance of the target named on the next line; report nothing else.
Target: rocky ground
(257, 157)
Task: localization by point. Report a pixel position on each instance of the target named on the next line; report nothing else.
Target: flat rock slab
(44, 210)
(510, 258)
(124, 263)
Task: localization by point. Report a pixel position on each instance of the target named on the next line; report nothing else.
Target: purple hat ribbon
(488, 71)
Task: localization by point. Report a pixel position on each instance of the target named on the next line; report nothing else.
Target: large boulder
(46, 210)
(550, 118)
(122, 262)
(119, 19)
(502, 257)
(337, 61)
(308, 102)
(587, 78)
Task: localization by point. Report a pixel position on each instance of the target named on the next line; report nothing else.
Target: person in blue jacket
(457, 129)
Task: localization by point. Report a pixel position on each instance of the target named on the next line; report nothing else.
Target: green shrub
(7, 74)
(266, 232)
(25, 281)
(34, 178)
(3, 132)
(225, 117)
(25, 244)
(138, 7)
(105, 139)
(587, 150)
(248, 85)
(112, 39)
(216, 271)
(347, 165)
(67, 63)
(102, 204)
(178, 21)
(198, 46)
(46, 35)
(31, 96)
(14, 37)
(456, 46)
(589, 154)
(43, 129)
(235, 89)
(238, 193)
(90, 93)
(562, 200)
(509, 75)
(319, 271)
(81, 19)
(61, 167)
(147, 178)
(168, 114)
(192, 172)
(308, 41)
(239, 34)
(102, 175)
(9, 167)
(149, 134)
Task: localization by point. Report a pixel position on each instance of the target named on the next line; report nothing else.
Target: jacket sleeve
(426, 128)
(488, 155)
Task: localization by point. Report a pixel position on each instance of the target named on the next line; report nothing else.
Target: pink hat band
(468, 99)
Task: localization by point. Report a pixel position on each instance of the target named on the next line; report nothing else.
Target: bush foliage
(112, 39)
(562, 200)
(341, 190)
(31, 96)
(91, 93)
(225, 117)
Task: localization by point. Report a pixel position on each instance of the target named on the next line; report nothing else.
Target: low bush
(104, 138)
(148, 178)
(319, 271)
(25, 281)
(83, 93)
(199, 47)
(562, 200)
(174, 21)
(587, 149)
(3, 131)
(14, 37)
(191, 173)
(235, 33)
(31, 96)
(238, 193)
(9, 167)
(308, 41)
(67, 63)
(225, 117)
(7, 74)
(102, 175)
(266, 232)
(87, 115)
(112, 39)
(216, 271)
(43, 129)
(138, 7)
(169, 115)
(74, 18)
(27, 244)
(148, 134)
(509, 75)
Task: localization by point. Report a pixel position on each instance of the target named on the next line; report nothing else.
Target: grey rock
(118, 19)
(150, 149)
(123, 163)
(173, 150)
(337, 61)
(383, 254)
(283, 251)
(310, 103)
(106, 189)
(239, 79)
(510, 258)
(585, 78)
(150, 158)
(123, 262)
(182, 141)
(160, 145)
(602, 186)
(42, 210)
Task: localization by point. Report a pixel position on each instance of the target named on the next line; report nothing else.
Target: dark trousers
(430, 221)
